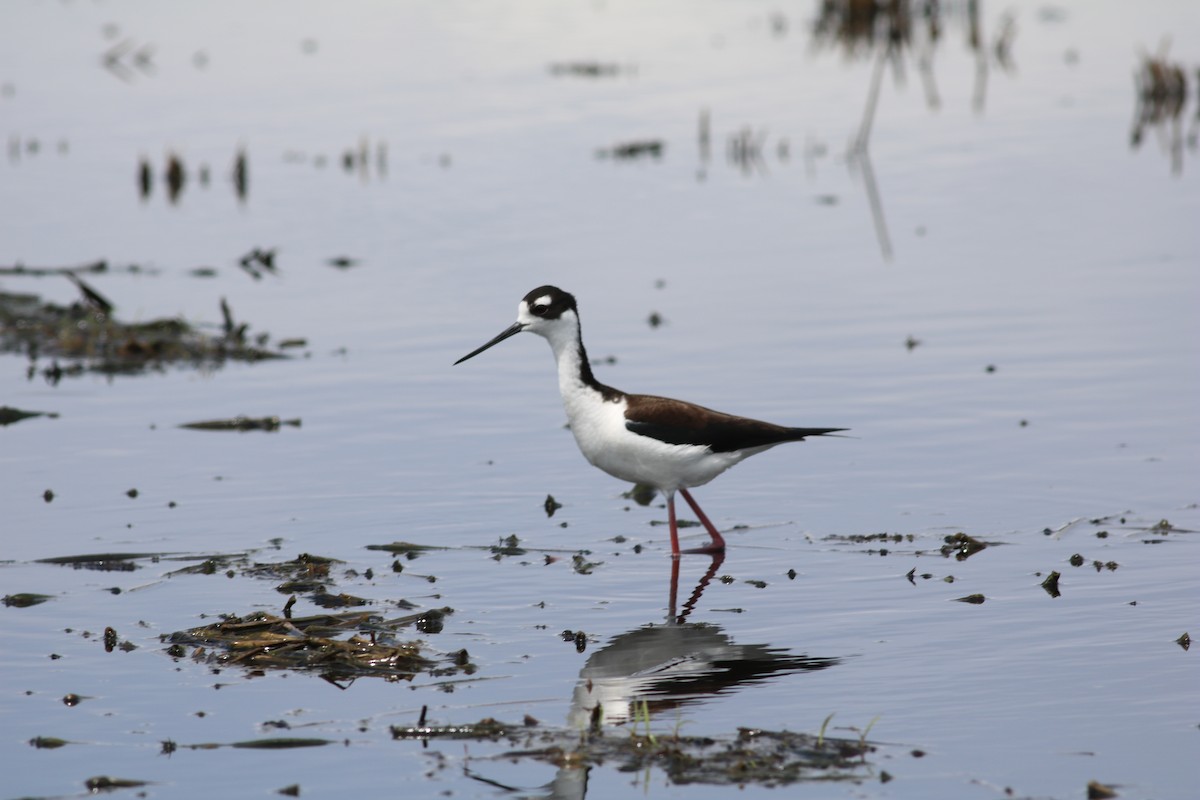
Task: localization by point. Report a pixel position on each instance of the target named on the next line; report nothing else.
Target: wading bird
(668, 444)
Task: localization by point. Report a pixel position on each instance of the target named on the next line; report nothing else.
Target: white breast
(600, 432)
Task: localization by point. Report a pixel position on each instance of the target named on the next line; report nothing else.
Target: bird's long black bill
(511, 330)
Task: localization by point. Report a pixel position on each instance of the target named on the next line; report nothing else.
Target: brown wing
(677, 422)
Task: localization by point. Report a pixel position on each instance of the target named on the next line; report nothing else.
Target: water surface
(1044, 266)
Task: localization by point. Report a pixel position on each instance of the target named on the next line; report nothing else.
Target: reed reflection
(1162, 94)
(890, 33)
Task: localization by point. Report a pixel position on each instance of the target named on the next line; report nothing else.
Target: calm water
(1016, 229)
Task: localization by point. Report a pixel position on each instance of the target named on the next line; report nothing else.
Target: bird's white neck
(575, 378)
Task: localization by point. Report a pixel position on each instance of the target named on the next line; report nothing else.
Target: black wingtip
(801, 433)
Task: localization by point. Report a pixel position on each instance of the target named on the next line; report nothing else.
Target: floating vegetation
(101, 562)
(1050, 584)
(47, 742)
(582, 565)
(973, 599)
(265, 641)
(258, 261)
(242, 424)
(752, 756)
(341, 600)
(93, 267)
(9, 415)
(275, 743)
(578, 638)
(85, 337)
(103, 783)
(405, 548)
(509, 546)
(870, 538)
(26, 599)
(962, 546)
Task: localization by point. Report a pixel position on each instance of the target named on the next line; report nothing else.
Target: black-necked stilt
(668, 444)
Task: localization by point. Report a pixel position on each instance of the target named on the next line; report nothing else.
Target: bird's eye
(539, 309)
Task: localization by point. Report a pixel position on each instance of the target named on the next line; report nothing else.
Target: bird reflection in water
(677, 663)
(655, 668)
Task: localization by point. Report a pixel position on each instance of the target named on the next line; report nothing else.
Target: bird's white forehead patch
(544, 300)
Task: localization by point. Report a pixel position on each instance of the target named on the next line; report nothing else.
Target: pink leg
(674, 528)
(717, 545)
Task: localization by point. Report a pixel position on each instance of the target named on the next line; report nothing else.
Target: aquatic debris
(102, 562)
(973, 599)
(241, 175)
(1184, 641)
(342, 600)
(587, 69)
(1162, 94)
(866, 538)
(47, 742)
(91, 297)
(26, 599)
(582, 566)
(1099, 791)
(175, 176)
(551, 505)
(342, 262)
(641, 494)
(405, 548)
(681, 523)
(486, 729)
(257, 261)
(242, 424)
(744, 150)
(265, 641)
(578, 638)
(103, 783)
(509, 546)
(962, 546)
(276, 743)
(1050, 584)
(126, 59)
(752, 756)
(639, 148)
(92, 339)
(39, 272)
(9, 415)
(431, 622)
